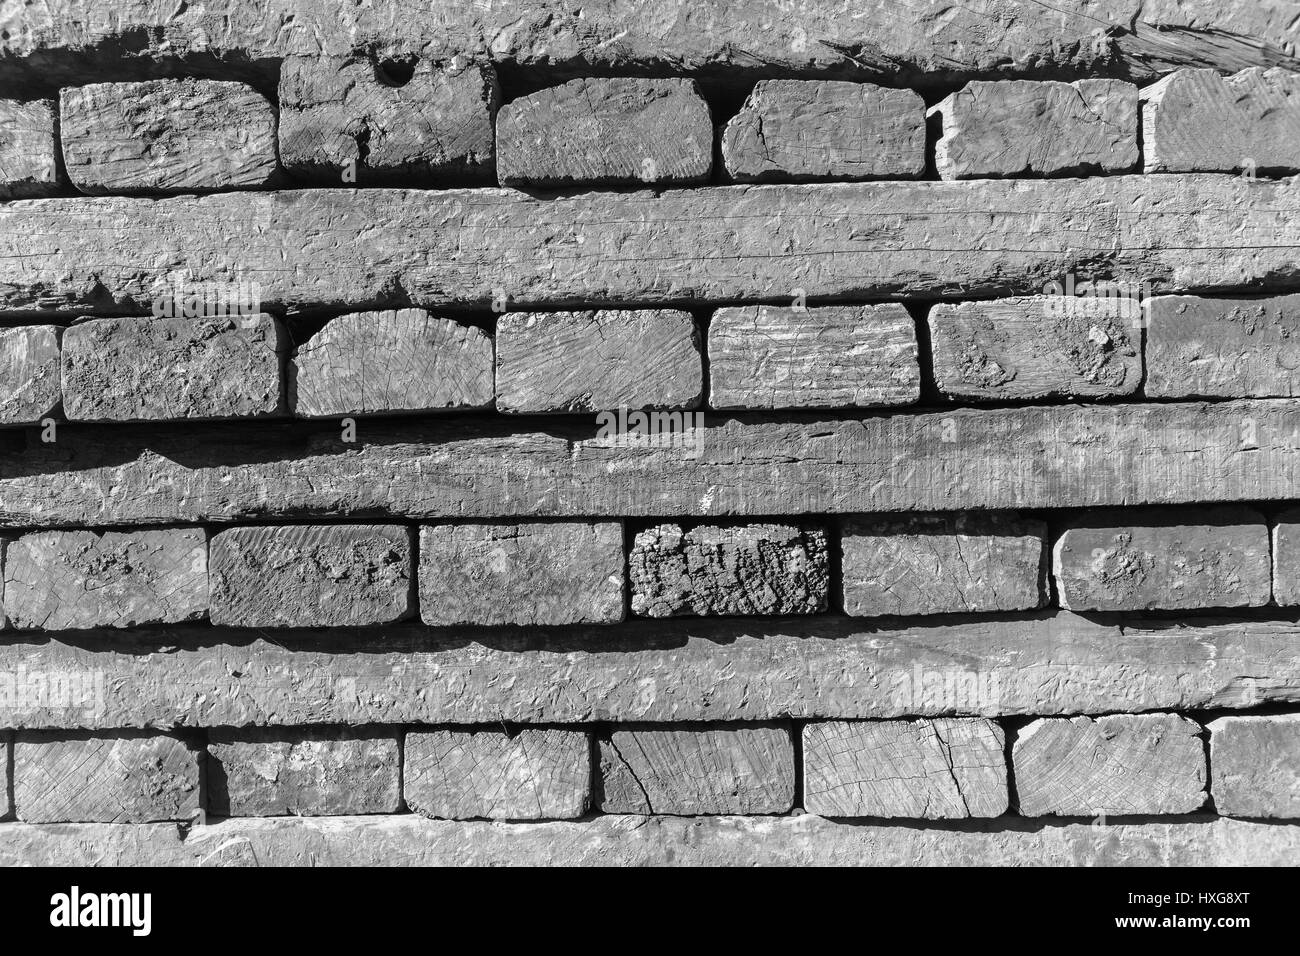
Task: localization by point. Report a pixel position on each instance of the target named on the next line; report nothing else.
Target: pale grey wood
(1255, 765)
(940, 564)
(402, 360)
(1222, 348)
(1196, 120)
(108, 778)
(582, 362)
(1037, 128)
(720, 245)
(691, 770)
(950, 768)
(61, 580)
(823, 129)
(29, 373)
(1118, 765)
(829, 357)
(311, 576)
(29, 148)
(1179, 560)
(549, 573)
(166, 136)
(830, 667)
(606, 130)
(116, 370)
(329, 771)
(1286, 558)
(533, 774)
(343, 120)
(1037, 347)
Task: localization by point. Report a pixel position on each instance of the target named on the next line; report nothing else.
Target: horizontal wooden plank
(321, 247)
(63, 41)
(1037, 457)
(746, 669)
(807, 840)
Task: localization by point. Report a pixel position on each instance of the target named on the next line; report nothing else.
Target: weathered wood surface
(1037, 128)
(29, 149)
(694, 770)
(1222, 348)
(722, 244)
(166, 136)
(1118, 765)
(829, 668)
(329, 771)
(606, 130)
(566, 572)
(797, 130)
(767, 356)
(1179, 560)
(402, 360)
(1038, 457)
(534, 774)
(6, 784)
(747, 569)
(61, 580)
(169, 368)
(950, 768)
(1199, 121)
(1037, 347)
(754, 38)
(808, 840)
(29, 373)
(123, 778)
(311, 576)
(937, 564)
(1286, 558)
(1255, 765)
(556, 362)
(344, 120)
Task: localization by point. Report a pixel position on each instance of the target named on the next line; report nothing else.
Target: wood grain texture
(902, 39)
(593, 361)
(938, 564)
(29, 373)
(1195, 120)
(533, 774)
(747, 569)
(1222, 348)
(29, 149)
(328, 771)
(805, 840)
(1037, 128)
(61, 580)
(6, 775)
(830, 667)
(922, 769)
(797, 130)
(693, 770)
(1181, 560)
(166, 136)
(1255, 765)
(157, 368)
(402, 360)
(522, 573)
(1122, 764)
(1075, 456)
(1286, 558)
(606, 130)
(832, 357)
(114, 778)
(725, 244)
(311, 576)
(342, 114)
(1037, 347)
